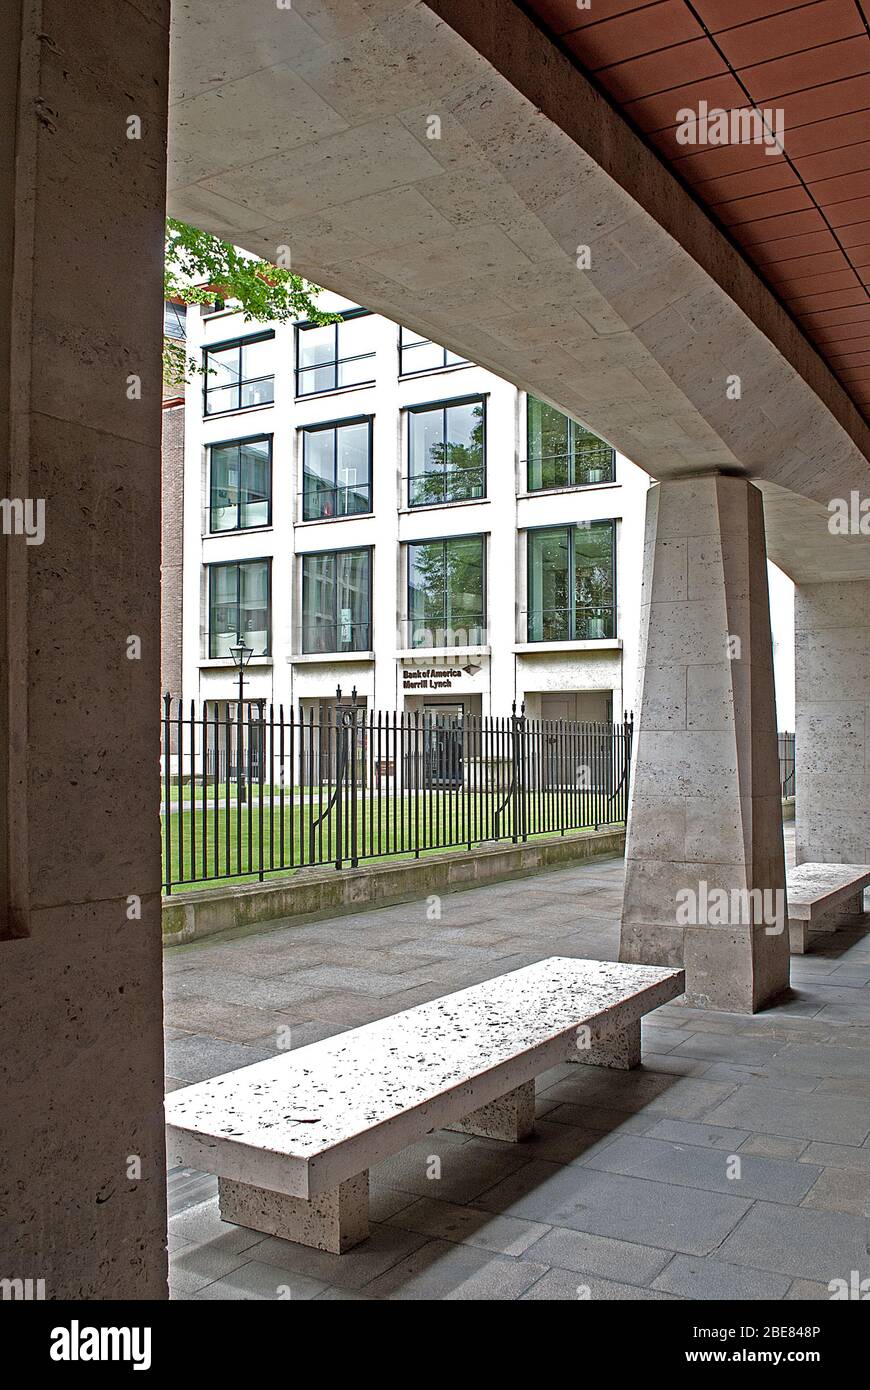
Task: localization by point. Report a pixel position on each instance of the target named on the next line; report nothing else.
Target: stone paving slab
(711, 1279)
(441, 1271)
(501, 1235)
(625, 1208)
(566, 1286)
(798, 1241)
(841, 1119)
(687, 1164)
(620, 1260)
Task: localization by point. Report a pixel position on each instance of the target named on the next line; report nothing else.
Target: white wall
(782, 628)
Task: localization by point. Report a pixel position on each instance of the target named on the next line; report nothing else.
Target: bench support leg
(620, 1049)
(511, 1117)
(334, 1221)
(798, 932)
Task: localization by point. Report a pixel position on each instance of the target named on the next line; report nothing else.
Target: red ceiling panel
(832, 283)
(660, 72)
(801, 256)
(642, 30)
(853, 359)
(769, 177)
(659, 111)
(725, 14)
(764, 205)
(833, 163)
(802, 216)
(800, 72)
(792, 32)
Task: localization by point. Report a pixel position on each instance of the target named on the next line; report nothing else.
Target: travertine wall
(172, 550)
(705, 801)
(82, 1192)
(832, 722)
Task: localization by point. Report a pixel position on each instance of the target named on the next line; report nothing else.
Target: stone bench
(292, 1139)
(817, 894)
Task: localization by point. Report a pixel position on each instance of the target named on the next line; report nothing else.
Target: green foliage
(199, 267)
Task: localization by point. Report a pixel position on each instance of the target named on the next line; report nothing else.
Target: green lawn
(208, 847)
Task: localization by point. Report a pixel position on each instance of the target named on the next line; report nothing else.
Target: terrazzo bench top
(305, 1121)
(812, 888)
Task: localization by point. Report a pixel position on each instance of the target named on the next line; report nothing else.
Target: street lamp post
(241, 654)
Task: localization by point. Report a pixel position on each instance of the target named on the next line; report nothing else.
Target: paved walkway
(630, 1187)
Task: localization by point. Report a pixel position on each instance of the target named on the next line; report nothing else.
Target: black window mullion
(572, 587)
(445, 602)
(444, 447)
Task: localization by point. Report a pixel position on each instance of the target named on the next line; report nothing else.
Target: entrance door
(442, 745)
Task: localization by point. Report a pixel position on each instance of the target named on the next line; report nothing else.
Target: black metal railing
(786, 763)
(587, 622)
(590, 462)
(267, 794)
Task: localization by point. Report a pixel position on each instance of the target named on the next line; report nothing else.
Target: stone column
(705, 811)
(82, 1177)
(832, 722)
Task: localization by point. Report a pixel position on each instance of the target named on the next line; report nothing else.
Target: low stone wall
(788, 808)
(325, 892)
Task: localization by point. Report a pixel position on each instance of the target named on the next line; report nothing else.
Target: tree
(199, 268)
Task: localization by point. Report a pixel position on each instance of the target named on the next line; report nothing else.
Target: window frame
(444, 541)
(570, 527)
(336, 362)
(305, 555)
(225, 444)
(213, 565)
(475, 398)
(425, 371)
(335, 425)
(240, 343)
(572, 425)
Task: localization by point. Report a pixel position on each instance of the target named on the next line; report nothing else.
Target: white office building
(368, 511)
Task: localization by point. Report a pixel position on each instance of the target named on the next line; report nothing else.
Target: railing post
(167, 813)
(518, 760)
(261, 755)
(523, 771)
(628, 740)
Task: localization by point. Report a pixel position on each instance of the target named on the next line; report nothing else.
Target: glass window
(446, 605)
(337, 470)
(239, 606)
(238, 375)
(174, 319)
(334, 355)
(446, 455)
(241, 484)
(571, 582)
(418, 354)
(562, 453)
(336, 601)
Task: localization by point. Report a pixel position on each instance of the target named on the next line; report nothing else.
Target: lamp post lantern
(241, 654)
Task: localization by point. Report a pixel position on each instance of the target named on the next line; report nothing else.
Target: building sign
(441, 677)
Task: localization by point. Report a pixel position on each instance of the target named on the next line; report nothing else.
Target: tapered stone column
(832, 722)
(705, 811)
(83, 175)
